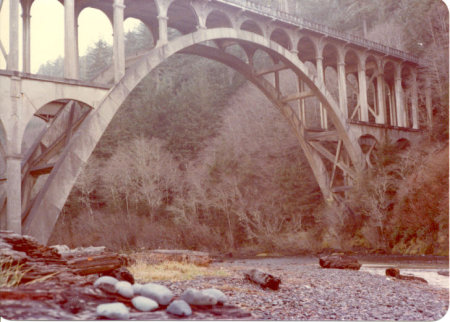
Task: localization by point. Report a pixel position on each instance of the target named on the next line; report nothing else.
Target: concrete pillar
(119, 41)
(26, 7)
(428, 103)
(399, 101)
(381, 115)
(13, 128)
(163, 35)
(342, 86)
(364, 106)
(414, 101)
(320, 78)
(70, 41)
(13, 55)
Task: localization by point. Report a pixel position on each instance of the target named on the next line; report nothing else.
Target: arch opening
(252, 26)
(306, 50)
(371, 68)
(217, 19)
(94, 43)
(281, 37)
(182, 18)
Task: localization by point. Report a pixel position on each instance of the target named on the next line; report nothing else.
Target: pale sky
(47, 31)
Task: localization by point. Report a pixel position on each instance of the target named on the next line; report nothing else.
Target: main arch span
(75, 123)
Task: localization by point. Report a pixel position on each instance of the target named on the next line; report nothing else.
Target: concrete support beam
(342, 87)
(320, 77)
(26, 7)
(163, 34)
(415, 101)
(14, 128)
(364, 106)
(70, 41)
(399, 101)
(119, 41)
(381, 99)
(13, 55)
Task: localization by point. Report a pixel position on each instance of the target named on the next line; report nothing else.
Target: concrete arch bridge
(349, 93)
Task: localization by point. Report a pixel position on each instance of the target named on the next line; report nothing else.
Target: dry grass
(10, 274)
(171, 271)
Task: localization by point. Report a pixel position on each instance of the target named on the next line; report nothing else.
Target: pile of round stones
(151, 296)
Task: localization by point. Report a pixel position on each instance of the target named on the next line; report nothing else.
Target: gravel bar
(309, 292)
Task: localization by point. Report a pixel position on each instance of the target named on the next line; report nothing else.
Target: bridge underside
(364, 103)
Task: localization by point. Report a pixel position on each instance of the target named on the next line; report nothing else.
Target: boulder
(144, 304)
(113, 311)
(196, 297)
(157, 292)
(180, 308)
(339, 261)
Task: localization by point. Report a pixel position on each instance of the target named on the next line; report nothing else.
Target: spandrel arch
(76, 154)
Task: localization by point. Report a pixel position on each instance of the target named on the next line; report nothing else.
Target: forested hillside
(198, 158)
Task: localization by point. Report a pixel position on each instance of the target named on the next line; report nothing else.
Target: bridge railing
(292, 19)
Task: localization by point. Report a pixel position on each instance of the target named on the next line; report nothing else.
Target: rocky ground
(308, 292)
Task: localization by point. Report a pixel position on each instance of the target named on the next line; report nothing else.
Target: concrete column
(70, 45)
(119, 41)
(26, 7)
(415, 101)
(381, 116)
(428, 103)
(320, 78)
(364, 106)
(13, 55)
(342, 86)
(163, 34)
(13, 128)
(399, 101)
(13, 193)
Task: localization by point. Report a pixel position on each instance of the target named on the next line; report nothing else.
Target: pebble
(144, 304)
(157, 292)
(125, 289)
(113, 311)
(180, 308)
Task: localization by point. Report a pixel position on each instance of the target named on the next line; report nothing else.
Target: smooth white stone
(113, 311)
(137, 288)
(218, 294)
(196, 297)
(157, 292)
(180, 308)
(144, 304)
(105, 280)
(125, 289)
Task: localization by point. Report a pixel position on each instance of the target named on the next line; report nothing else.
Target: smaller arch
(368, 144)
(252, 26)
(138, 36)
(352, 64)
(307, 50)
(182, 17)
(281, 37)
(218, 19)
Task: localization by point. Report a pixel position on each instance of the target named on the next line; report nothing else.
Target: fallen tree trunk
(263, 279)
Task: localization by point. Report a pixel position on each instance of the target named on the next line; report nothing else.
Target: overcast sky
(47, 30)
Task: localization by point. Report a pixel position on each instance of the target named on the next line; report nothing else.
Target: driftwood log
(265, 280)
(395, 273)
(339, 261)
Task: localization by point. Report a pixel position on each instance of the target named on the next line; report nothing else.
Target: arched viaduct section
(346, 89)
